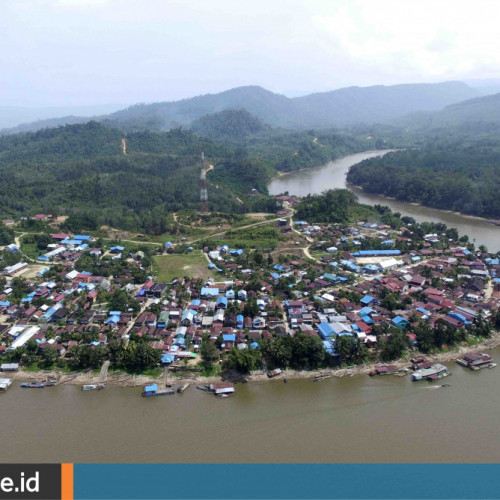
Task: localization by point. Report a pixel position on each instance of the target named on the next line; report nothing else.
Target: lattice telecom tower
(203, 186)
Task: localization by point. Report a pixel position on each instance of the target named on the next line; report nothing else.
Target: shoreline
(415, 204)
(127, 380)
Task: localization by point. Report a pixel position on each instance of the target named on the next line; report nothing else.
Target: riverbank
(415, 204)
(128, 380)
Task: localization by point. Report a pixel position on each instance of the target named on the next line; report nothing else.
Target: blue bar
(286, 481)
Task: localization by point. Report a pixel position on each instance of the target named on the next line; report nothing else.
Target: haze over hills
(337, 108)
(13, 116)
(479, 114)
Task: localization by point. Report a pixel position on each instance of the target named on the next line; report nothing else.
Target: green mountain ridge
(337, 108)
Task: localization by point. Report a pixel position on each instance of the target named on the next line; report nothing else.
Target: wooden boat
(181, 389)
(274, 373)
(203, 388)
(93, 387)
(36, 385)
(320, 378)
(222, 395)
(5, 384)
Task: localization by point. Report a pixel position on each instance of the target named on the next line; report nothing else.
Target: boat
(36, 385)
(5, 384)
(93, 387)
(203, 388)
(222, 388)
(491, 365)
(475, 361)
(222, 395)
(152, 390)
(438, 376)
(274, 373)
(181, 389)
(435, 372)
(320, 378)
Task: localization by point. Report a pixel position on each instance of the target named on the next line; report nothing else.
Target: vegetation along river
(332, 175)
(350, 419)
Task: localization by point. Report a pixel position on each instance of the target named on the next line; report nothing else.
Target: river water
(351, 419)
(332, 175)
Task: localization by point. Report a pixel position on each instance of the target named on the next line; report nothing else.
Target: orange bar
(66, 481)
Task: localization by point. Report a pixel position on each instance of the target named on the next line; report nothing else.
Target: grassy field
(169, 267)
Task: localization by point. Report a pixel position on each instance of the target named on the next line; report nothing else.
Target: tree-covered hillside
(448, 175)
(337, 108)
(231, 124)
(81, 169)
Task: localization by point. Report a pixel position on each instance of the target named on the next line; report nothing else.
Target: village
(363, 293)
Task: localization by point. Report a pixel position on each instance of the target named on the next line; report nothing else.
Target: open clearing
(168, 267)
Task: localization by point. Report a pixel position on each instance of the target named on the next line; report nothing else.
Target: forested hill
(231, 124)
(337, 108)
(472, 116)
(94, 140)
(452, 176)
(82, 169)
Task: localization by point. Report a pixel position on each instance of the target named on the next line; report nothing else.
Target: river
(332, 175)
(350, 419)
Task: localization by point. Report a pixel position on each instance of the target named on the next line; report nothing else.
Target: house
(368, 300)
(259, 322)
(399, 321)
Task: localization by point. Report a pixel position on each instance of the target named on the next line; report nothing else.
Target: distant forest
(461, 176)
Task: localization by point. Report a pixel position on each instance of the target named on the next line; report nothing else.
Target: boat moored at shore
(435, 372)
(36, 385)
(5, 384)
(152, 390)
(476, 361)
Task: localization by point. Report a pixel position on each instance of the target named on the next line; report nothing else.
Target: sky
(93, 52)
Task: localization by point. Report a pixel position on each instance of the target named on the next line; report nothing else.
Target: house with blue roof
(167, 358)
(112, 320)
(229, 337)
(399, 321)
(240, 321)
(325, 330)
(329, 346)
(459, 317)
(187, 318)
(222, 303)
(209, 293)
(230, 294)
(366, 311)
(242, 295)
(376, 253)
(368, 300)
